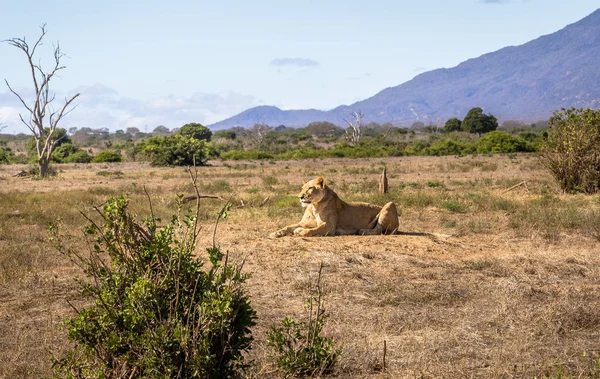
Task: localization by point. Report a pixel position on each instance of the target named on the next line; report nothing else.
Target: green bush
(572, 151)
(502, 142)
(175, 150)
(477, 122)
(155, 311)
(62, 152)
(107, 156)
(78, 157)
(6, 154)
(300, 349)
(196, 131)
(226, 134)
(449, 147)
(60, 137)
(452, 125)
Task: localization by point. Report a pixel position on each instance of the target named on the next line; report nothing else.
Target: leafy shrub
(452, 125)
(226, 134)
(300, 348)
(175, 150)
(107, 156)
(572, 151)
(477, 122)
(156, 311)
(6, 154)
(417, 147)
(449, 147)
(502, 142)
(63, 151)
(59, 137)
(78, 157)
(196, 131)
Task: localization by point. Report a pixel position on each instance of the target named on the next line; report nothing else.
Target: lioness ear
(320, 181)
(303, 182)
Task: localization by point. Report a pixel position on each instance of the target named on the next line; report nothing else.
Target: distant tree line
(194, 143)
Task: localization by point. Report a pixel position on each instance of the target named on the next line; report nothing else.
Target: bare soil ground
(508, 286)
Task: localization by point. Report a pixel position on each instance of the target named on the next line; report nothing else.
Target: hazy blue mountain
(526, 82)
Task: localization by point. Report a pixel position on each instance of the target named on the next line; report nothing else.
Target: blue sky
(148, 63)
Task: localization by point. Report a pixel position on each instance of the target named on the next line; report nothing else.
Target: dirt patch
(499, 291)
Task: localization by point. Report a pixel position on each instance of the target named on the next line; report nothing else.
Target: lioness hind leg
(388, 219)
(372, 231)
(344, 232)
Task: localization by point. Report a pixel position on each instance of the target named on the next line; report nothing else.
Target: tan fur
(327, 215)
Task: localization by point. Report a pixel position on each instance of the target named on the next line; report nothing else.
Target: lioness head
(312, 191)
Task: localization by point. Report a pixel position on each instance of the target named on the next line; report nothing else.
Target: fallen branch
(515, 186)
(266, 200)
(187, 199)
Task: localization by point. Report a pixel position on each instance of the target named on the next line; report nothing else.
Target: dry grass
(513, 292)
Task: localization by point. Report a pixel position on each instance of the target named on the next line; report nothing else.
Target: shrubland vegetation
(572, 151)
(155, 310)
(476, 134)
(495, 273)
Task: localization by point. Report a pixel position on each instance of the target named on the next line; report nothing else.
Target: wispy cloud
(364, 75)
(102, 107)
(419, 69)
(294, 62)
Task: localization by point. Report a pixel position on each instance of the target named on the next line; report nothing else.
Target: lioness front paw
(279, 233)
(300, 232)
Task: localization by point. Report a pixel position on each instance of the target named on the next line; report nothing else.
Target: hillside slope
(526, 82)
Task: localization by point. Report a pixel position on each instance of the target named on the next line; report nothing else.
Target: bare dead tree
(42, 118)
(355, 128)
(3, 126)
(258, 133)
(387, 129)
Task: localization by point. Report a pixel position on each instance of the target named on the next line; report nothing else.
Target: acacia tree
(196, 131)
(42, 117)
(477, 122)
(355, 128)
(323, 129)
(452, 125)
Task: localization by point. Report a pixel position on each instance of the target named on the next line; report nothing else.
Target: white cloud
(297, 62)
(99, 106)
(9, 117)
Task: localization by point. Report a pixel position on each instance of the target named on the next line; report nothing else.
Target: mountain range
(522, 83)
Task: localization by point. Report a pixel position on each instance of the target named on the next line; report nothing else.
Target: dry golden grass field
(481, 282)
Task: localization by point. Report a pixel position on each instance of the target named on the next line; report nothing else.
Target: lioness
(327, 215)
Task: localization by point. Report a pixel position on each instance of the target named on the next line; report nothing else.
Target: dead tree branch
(42, 117)
(355, 128)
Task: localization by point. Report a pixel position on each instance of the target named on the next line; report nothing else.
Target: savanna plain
(495, 273)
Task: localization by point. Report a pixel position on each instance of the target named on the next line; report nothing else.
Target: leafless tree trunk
(2, 126)
(43, 117)
(258, 134)
(354, 129)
